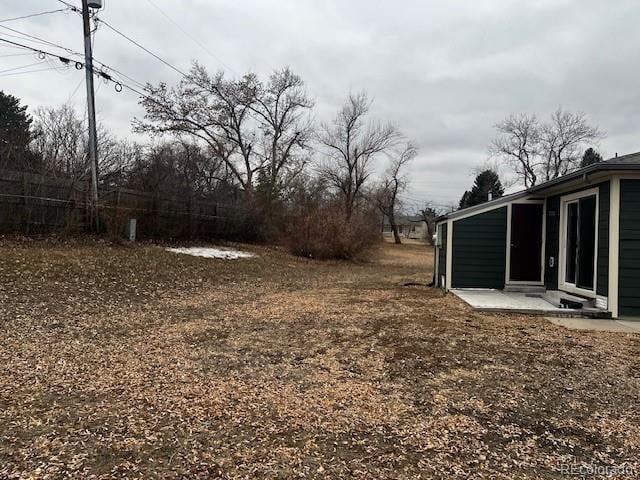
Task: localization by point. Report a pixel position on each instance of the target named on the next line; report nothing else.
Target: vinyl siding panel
(603, 240)
(552, 243)
(629, 263)
(479, 250)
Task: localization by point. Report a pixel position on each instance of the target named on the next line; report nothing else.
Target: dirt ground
(130, 361)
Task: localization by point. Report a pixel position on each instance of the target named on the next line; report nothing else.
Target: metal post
(91, 109)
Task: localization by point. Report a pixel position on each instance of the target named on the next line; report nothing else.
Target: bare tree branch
(352, 146)
(518, 144)
(253, 128)
(392, 185)
(543, 151)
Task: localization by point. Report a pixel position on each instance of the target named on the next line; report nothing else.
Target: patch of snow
(222, 253)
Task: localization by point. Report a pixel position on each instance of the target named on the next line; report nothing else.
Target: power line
(34, 15)
(113, 69)
(12, 46)
(188, 35)
(42, 54)
(73, 7)
(119, 83)
(37, 50)
(141, 47)
(122, 75)
(22, 37)
(38, 39)
(15, 55)
(73, 94)
(68, 50)
(24, 66)
(48, 69)
(79, 65)
(423, 202)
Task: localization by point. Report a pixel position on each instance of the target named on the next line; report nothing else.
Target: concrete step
(525, 288)
(568, 301)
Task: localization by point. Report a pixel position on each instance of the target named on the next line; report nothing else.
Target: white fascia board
(614, 244)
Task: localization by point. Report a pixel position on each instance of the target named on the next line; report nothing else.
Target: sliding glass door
(580, 242)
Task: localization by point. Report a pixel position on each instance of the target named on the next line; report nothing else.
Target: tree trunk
(394, 229)
(430, 231)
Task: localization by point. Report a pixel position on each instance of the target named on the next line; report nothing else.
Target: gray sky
(443, 71)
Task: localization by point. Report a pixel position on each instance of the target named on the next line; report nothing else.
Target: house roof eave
(623, 163)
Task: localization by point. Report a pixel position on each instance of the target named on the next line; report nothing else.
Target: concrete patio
(598, 325)
(533, 303)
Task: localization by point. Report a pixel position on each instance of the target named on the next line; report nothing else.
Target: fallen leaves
(138, 363)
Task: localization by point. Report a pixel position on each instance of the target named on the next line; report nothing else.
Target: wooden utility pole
(91, 109)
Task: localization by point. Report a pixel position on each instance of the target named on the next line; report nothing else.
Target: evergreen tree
(590, 157)
(487, 182)
(464, 201)
(15, 133)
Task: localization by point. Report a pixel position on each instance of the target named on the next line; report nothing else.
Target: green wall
(603, 241)
(629, 260)
(479, 250)
(552, 243)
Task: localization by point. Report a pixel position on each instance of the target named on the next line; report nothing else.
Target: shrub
(113, 222)
(322, 230)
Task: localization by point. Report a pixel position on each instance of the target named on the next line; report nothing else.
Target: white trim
(449, 254)
(564, 202)
(436, 265)
(490, 205)
(507, 266)
(507, 270)
(602, 302)
(438, 247)
(523, 199)
(614, 244)
(577, 183)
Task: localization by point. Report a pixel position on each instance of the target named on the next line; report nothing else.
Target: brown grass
(139, 363)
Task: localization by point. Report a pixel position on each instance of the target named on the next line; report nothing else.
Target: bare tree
(518, 144)
(59, 139)
(237, 119)
(543, 151)
(282, 107)
(177, 168)
(62, 143)
(563, 140)
(392, 185)
(429, 212)
(352, 145)
(209, 108)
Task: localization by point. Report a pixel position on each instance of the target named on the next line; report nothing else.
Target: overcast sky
(443, 71)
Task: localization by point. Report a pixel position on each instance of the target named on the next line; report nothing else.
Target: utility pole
(91, 109)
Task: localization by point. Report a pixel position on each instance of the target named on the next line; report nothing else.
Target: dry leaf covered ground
(136, 362)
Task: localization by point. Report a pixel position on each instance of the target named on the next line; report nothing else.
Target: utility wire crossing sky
(444, 73)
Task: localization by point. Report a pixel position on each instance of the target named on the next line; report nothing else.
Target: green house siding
(629, 262)
(479, 250)
(552, 243)
(603, 240)
(442, 257)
